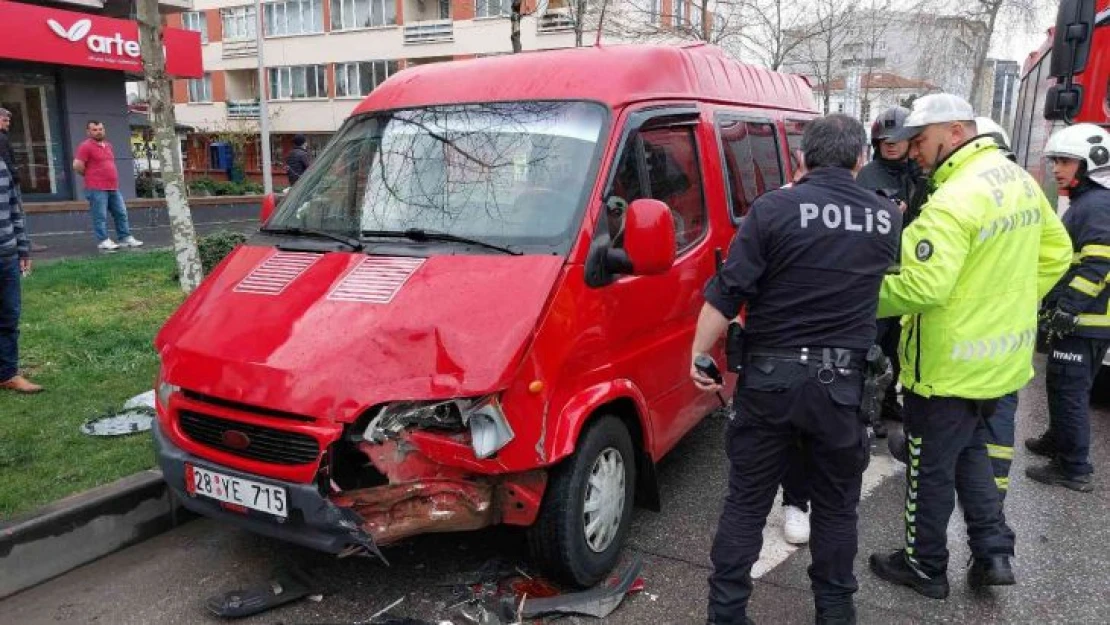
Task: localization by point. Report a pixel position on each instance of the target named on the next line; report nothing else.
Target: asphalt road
(1063, 562)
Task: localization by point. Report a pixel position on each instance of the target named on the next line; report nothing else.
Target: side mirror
(1062, 102)
(649, 237)
(1071, 41)
(269, 202)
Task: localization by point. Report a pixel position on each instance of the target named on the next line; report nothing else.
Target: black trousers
(889, 332)
(947, 441)
(781, 406)
(1000, 441)
(1073, 363)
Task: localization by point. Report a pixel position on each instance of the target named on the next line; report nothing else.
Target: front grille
(266, 444)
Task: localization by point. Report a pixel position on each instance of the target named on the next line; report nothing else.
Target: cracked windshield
(508, 173)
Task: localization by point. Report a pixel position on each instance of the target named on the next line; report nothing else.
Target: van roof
(614, 75)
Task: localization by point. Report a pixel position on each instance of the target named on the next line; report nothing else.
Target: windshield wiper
(350, 242)
(421, 235)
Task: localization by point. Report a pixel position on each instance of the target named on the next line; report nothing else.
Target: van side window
(752, 162)
(795, 128)
(662, 164)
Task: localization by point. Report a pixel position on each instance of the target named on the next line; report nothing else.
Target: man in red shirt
(97, 163)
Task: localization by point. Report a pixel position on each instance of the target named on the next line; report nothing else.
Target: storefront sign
(33, 33)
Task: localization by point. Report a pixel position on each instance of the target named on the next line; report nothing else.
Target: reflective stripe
(1009, 223)
(1097, 321)
(1083, 285)
(1003, 483)
(994, 346)
(1000, 452)
(1095, 251)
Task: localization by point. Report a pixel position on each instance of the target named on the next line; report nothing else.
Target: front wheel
(587, 507)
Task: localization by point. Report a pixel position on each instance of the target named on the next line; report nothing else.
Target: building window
(359, 79)
(294, 17)
(491, 8)
(681, 13)
(36, 135)
(200, 89)
(298, 82)
(195, 20)
(240, 23)
(350, 14)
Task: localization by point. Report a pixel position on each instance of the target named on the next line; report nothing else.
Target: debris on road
(284, 586)
(137, 415)
(598, 602)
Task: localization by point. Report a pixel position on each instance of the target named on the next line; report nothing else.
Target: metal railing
(438, 31)
(242, 109)
(245, 47)
(555, 20)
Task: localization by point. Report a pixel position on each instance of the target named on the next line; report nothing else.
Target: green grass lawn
(87, 333)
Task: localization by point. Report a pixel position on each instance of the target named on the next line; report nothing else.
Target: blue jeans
(9, 317)
(100, 202)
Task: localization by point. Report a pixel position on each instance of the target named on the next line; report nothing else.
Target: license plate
(236, 490)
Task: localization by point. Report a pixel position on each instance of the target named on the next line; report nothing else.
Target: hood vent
(276, 272)
(375, 280)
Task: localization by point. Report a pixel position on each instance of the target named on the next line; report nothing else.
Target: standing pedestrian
(976, 262)
(807, 261)
(1078, 308)
(96, 161)
(15, 262)
(298, 160)
(7, 154)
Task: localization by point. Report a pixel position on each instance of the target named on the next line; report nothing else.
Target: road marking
(776, 549)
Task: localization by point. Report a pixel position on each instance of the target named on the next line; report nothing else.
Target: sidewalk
(68, 233)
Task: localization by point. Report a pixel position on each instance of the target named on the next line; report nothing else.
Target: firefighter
(1076, 314)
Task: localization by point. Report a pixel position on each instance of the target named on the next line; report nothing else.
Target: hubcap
(604, 505)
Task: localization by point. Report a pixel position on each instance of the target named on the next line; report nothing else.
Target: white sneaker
(131, 242)
(107, 245)
(795, 529)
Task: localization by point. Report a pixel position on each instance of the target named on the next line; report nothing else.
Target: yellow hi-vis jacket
(975, 265)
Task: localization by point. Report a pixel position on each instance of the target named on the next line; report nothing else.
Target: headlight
(165, 390)
(489, 430)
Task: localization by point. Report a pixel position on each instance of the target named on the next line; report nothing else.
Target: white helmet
(1082, 142)
(987, 126)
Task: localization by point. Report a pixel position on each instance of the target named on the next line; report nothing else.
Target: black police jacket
(1083, 288)
(898, 180)
(809, 260)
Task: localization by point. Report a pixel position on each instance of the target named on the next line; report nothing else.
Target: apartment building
(323, 56)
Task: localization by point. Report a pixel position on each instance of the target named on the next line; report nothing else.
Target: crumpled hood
(328, 335)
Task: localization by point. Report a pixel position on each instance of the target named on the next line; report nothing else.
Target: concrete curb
(81, 528)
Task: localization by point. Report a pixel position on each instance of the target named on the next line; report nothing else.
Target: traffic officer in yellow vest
(975, 265)
(1077, 314)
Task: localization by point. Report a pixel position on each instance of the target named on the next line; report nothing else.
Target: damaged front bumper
(313, 520)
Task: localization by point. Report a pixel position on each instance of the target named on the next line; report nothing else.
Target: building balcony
(555, 21)
(437, 31)
(236, 49)
(242, 109)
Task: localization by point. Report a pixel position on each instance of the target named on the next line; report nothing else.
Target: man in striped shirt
(15, 262)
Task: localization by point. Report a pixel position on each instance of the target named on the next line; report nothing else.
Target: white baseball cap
(936, 108)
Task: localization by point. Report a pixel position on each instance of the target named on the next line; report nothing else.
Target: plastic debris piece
(598, 602)
(284, 586)
(137, 415)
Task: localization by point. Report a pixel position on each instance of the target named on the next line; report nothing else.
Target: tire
(558, 540)
(1100, 393)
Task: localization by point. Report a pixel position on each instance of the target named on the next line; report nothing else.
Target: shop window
(298, 82)
(200, 89)
(666, 161)
(294, 17)
(751, 155)
(195, 20)
(36, 134)
(352, 14)
(354, 80)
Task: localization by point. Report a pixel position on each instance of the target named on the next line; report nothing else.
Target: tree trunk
(981, 58)
(515, 19)
(579, 21)
(706, 27)
(163, 122)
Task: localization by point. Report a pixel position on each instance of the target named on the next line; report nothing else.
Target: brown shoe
(20, 384)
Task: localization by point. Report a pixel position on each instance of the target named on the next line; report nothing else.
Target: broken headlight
(489, 430)
(165, 391)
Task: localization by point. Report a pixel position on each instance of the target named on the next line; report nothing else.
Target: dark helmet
(888, 122)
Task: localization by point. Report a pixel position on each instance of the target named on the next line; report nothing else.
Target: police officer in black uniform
(808, 262)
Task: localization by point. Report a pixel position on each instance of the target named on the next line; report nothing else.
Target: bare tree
(867, 53)
(163, 122)
(719, 22)
(773, 29)
(824, 39)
